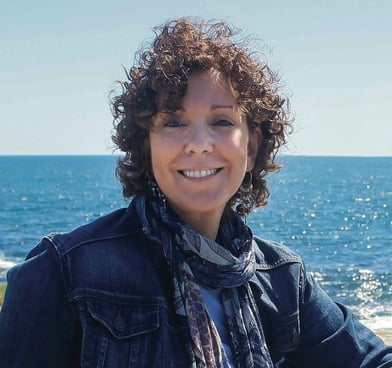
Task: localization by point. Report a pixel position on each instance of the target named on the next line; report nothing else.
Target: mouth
(199, 173)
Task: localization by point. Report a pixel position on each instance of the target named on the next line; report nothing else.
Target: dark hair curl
(158, 81)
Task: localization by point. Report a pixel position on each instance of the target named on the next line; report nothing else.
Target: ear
(254, 142)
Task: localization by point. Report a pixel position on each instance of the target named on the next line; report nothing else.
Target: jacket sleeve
(331, 336)
(37, 326)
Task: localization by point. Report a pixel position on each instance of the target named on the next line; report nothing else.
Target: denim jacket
(101, 296)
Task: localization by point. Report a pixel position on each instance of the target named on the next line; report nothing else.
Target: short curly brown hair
(158, 81)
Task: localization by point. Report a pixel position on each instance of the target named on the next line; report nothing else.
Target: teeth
(199, 174)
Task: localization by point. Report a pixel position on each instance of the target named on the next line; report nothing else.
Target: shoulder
(271, 254)
(86, 244)
(119, 224)
(102, 255)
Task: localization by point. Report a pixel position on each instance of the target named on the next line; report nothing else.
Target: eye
(223, 122)
(173, 124)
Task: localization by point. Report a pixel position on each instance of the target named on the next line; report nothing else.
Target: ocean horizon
(335, 211)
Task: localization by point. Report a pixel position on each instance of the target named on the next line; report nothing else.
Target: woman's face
(201, 153)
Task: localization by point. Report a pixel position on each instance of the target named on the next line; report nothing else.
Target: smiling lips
(199, 173)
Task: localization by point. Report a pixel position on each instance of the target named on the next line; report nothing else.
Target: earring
(247, 185)
(157, 192)
(245, 194)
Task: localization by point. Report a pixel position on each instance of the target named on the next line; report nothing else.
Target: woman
(177, 279)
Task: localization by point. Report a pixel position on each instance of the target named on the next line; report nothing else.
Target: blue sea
(336, 212)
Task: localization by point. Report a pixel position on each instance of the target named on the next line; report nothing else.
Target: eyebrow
(216, 107)
(212, 108)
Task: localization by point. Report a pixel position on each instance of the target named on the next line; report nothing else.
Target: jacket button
(295, 338)
(120, 324)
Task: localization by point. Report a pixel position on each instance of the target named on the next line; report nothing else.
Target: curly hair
(158, 80)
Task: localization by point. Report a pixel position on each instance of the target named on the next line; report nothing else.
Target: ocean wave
(379, 323)
(5, 265)
(377, 317)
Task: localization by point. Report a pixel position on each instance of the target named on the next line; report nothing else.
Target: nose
(199, 139)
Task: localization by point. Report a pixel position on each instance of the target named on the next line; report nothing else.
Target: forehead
(211, 88)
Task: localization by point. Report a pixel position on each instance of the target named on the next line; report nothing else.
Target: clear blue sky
(59, 59)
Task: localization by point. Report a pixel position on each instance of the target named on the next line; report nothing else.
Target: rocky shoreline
(386, 336)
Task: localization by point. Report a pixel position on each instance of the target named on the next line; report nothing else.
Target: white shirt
(214, 305)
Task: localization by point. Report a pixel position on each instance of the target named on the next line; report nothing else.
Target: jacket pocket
(125, 321)
(284, 335)
(120, 334)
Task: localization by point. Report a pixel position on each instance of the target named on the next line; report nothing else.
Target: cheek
(154, 152)
(240, 143)
(161, 157)
(157, 158)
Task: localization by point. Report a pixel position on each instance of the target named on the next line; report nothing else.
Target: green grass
(2, 291)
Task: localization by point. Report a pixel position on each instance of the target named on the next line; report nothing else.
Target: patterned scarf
(196, 260)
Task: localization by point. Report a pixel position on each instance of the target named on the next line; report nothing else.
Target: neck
(205, 223)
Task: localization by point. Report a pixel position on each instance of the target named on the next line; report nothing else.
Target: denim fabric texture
(101, 296)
